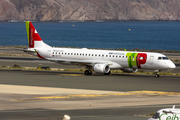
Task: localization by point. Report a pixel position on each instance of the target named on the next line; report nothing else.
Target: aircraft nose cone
(171, 65)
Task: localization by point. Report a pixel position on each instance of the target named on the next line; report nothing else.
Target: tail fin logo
(32, 34)
(31, 42)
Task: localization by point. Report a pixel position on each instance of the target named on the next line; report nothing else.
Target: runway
(115, 82)
(116, 97)
(26, 104)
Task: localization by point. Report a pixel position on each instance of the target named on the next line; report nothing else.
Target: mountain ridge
(89, 10)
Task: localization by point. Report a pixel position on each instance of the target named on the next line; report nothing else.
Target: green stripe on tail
(27, 29)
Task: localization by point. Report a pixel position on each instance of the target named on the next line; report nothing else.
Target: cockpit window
(159, 58)
(163, 58)
(156, 115)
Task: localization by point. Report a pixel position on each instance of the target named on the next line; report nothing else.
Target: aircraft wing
(76, 62)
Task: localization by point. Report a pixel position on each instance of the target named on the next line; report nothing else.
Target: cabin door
(49, 53)
(151, 60)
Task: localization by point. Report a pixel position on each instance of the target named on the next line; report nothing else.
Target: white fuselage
(167, 114)
(115, 59)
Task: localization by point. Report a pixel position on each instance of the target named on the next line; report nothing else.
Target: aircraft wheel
(157, 75)
(88, 72)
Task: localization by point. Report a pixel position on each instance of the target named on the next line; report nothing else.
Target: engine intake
(101, 68)
(129, 70)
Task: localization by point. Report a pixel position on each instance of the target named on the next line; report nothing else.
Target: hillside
(87, 10)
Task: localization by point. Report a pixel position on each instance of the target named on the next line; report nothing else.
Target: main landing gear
(88, 72)
(157, 73)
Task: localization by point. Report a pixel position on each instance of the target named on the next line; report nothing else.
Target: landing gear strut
(157, 73)
(88, 72)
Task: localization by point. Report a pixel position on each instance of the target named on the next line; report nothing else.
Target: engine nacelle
(101, 68)
(129, 70)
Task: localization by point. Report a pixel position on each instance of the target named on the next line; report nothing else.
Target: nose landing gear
(157, 73)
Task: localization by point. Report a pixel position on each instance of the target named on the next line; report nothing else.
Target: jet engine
(129, 70)
(101, 68)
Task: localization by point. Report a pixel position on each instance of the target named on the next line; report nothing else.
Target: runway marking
(72, 74)
(137, 93)
(157, 92)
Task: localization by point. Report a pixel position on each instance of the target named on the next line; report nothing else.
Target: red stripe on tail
(33, 35)
(40, 56)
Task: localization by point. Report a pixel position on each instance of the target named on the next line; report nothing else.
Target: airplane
(99, 61)
(167, 114)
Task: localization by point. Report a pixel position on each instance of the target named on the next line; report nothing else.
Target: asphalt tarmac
(12, 109)
(123, 113)
(77, 80)
(22, 104)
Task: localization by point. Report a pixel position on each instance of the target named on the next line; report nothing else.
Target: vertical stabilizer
(34, 39)
(173, 107)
